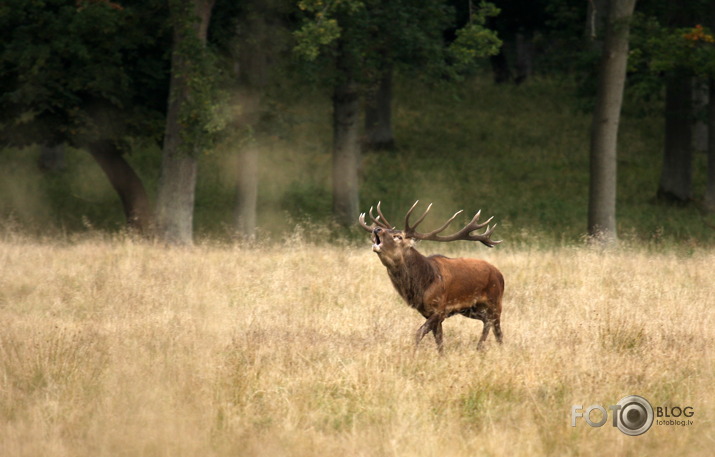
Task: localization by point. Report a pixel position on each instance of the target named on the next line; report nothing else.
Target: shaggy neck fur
(411, 276)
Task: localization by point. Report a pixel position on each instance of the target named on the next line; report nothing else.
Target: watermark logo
(633, 415)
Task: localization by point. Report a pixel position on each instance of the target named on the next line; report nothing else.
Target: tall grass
(111, 348)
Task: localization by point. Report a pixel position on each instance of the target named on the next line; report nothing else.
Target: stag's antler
(376, 220)
(464, 234)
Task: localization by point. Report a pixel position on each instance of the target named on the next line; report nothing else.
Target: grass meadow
(124, 348)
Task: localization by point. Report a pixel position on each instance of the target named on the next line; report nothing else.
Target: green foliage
(658, 48)
(319, 29)
(75, 70)
(475, 41)
(200, 111)
(314, 36)
(322, 29)
(372, 35)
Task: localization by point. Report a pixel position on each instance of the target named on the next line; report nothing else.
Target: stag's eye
(397, 237)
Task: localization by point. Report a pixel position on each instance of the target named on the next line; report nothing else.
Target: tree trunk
(245, 219)
(177, 183)
(175, 199)
(256, 44)
(606, 117)
(676, 175)
(378, 115)
(500, 66)
(346, 152)
(524, 56)
(52, 158)
(127, 184)
(710, 188)
(698, 109)
(709, 198)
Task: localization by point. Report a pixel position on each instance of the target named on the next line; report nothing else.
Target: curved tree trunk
(346, 152)
(606, 118)
(177, 183)
(378, 115)
(126, 183)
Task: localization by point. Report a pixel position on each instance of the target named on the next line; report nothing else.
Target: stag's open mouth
(376, 243)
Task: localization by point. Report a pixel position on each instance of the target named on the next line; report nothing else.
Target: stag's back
(470, 280)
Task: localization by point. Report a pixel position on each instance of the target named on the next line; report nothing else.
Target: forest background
(276, 114)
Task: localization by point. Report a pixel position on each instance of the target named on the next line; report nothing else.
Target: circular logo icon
(635, 415)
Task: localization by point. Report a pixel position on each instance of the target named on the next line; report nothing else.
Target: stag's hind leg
(496, 318)
(480, 312)
(497, 330)
(491, 320)
(485, 333)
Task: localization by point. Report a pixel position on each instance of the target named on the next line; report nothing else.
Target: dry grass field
(122, 348)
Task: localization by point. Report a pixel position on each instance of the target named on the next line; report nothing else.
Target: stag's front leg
(433, 324)
(437, 332)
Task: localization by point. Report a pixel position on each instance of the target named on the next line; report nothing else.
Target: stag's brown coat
(437, 286)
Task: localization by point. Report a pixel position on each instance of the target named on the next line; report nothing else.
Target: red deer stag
(437, 286)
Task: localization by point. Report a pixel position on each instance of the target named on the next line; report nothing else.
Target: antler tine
(474, 222)
(384, 223)
(419, 220)
(485, 237)
(361, 221)
(465, 233)
(377, 222)
(426, 236)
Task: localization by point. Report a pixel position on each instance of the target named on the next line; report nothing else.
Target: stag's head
(391, 245)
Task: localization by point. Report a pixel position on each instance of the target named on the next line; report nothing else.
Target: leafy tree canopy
(371, 35)
(78, 70)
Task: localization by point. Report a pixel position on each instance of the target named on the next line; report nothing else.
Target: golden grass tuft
(125, 348)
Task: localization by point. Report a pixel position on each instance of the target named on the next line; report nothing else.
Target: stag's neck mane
(412, 277)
